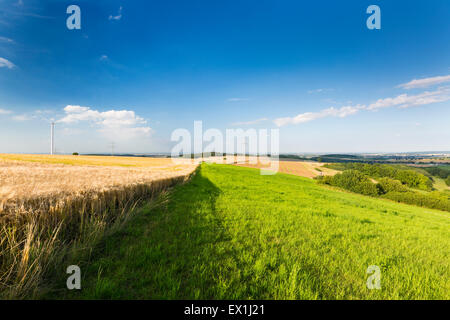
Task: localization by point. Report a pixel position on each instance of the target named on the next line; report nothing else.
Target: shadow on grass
(167, 251)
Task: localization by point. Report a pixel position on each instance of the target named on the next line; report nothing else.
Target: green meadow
(231, 233)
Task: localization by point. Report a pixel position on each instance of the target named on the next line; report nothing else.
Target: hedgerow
(358, 182)
(434, 200)
(407, 177)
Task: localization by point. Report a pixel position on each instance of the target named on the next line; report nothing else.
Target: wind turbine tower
(52, 138)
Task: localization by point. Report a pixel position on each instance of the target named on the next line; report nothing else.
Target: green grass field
(440, 184)
(231, 233)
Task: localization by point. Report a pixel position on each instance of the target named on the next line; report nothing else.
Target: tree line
(409, 178)
(386, 187)
(441, 172)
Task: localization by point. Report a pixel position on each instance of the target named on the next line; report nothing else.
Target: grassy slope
(440, 184)
(232, 233)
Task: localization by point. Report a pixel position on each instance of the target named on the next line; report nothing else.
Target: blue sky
(138, 70)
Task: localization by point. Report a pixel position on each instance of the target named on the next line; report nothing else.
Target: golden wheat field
(53, 207)
(299, 168)
(29, 176)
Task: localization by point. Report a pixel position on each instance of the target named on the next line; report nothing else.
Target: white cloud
(404, 100)
(401, 101)
(3, 111)
(124, 123)
(120, 118)
(118, 17)
(126, 133)
(426, 82)
(22, 117)
(309, 116)
(77, 113)
(237, 99)
(71, 131)
(75, 109)
(8, 40)
(44, 111)
(247, 123)
(111, 118)
(6, 63)
(109, 62)
(320, 90)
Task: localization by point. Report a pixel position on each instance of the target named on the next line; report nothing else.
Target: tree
(354, 181)
(386, 185)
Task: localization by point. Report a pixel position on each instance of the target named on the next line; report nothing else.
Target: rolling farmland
(306, 169)
(231, 233)
(147, 228)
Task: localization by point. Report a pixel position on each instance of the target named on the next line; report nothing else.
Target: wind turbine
(52, 132)
(52, 137)
(112, 144)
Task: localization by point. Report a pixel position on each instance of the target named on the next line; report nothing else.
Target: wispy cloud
(33, 115)
(405, 100)
(22, 117)
(248, 123)
(20, 12)
(320, 90)
(120, 123)
(425, 82)
(107, 61)
(71, 131)
(401, 101)
(5, 39)
(237, 99)
(3, 111)
(9, 14)
(126, 133)
(118, 16)
(44, 114)
(6, 63)
(310, 116)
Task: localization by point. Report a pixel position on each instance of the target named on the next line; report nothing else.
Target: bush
(75, 154)
(324, 179)
(386, 185)
(356, 181)
(352, 180)
(441, 172)
(433, 200)
(407, 177)
(447, 181)
(414, 179)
